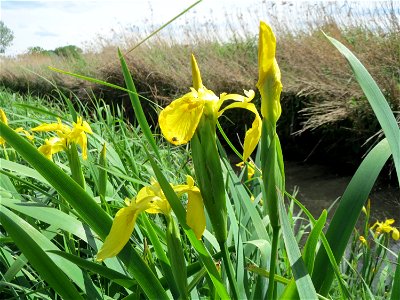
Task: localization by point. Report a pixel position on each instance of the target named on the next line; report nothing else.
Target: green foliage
(56, 214)
(70, 51)
(6, 37)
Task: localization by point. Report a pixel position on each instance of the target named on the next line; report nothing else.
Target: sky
(50, 24)
(54, 23)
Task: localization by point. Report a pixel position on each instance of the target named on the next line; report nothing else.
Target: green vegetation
(101, 206)
(6, 37)
(58, 210)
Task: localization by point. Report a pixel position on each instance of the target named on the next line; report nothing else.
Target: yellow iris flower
(251, 169)
(269, 75)
(4, 119)
(66, 135)
(363, 240)
(179, 120)
(387, 228)
(152, 200)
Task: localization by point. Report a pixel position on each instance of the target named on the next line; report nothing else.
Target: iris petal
(120, 233)
(266, 52)
(53, 127)
(3, 117)
(254, 133)
(196, 77)
(395, 234)
(52, 146)
(179, 120)
(195, 216)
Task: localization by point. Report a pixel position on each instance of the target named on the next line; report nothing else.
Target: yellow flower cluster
(65, 136)
(386, 227)
(152, 200)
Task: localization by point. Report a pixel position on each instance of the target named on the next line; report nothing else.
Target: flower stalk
(270, 87)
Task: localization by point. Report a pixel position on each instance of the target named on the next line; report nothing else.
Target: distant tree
(6, 37)
(40, 50)
(70, 51)
(35, 50)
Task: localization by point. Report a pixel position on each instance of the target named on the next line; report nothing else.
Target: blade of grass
(133, 95)
(158, 249)
(343, 289)
(396, 286)
(98, 269)
(48, 215)
(304, 284)
(163, 26)
(25, 237)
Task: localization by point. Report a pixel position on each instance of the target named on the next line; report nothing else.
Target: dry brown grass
(312, 70)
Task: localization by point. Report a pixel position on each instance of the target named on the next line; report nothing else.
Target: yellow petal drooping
(269, 78)
(179, 120)
(254, 133)
(120, 232)
(3, 117)
(395, 234)
(195, 216)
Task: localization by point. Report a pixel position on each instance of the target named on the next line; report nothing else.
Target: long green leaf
(378, 102)
(98, 269)
(396, 286)
(347, 213)
(312, 241)
(304, 284)
(86, 207)
(141, 118)
(26, 237)
(48, 215)
(21, 170)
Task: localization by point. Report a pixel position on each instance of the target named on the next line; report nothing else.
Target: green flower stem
(274, 257)
(102, 181)
(78, 177)
(177, 257)
(75, 165)
(207, 166)
(229, 269)
(274, 182)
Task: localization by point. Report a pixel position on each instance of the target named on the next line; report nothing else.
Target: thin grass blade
(139, 113)
(25, 237)
(100, 270)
